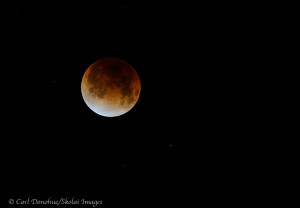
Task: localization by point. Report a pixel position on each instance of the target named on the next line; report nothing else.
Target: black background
(213, 125)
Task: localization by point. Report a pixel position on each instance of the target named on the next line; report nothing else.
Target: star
(122, 164)
(171, 147)
(52, 83)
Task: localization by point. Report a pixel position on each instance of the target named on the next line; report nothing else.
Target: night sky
(213, 125)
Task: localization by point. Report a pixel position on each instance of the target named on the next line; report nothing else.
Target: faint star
(171, 147)
(54, 83)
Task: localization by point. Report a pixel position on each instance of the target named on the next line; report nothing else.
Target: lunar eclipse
(110, 87)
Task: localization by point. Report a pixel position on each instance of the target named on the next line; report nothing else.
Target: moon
(110, 87)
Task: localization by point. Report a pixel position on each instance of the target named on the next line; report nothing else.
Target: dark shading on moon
(110, 87)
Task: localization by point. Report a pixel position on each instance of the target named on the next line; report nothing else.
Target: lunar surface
(110, 87)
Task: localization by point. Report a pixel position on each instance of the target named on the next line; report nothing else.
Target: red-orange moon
(110, 87)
